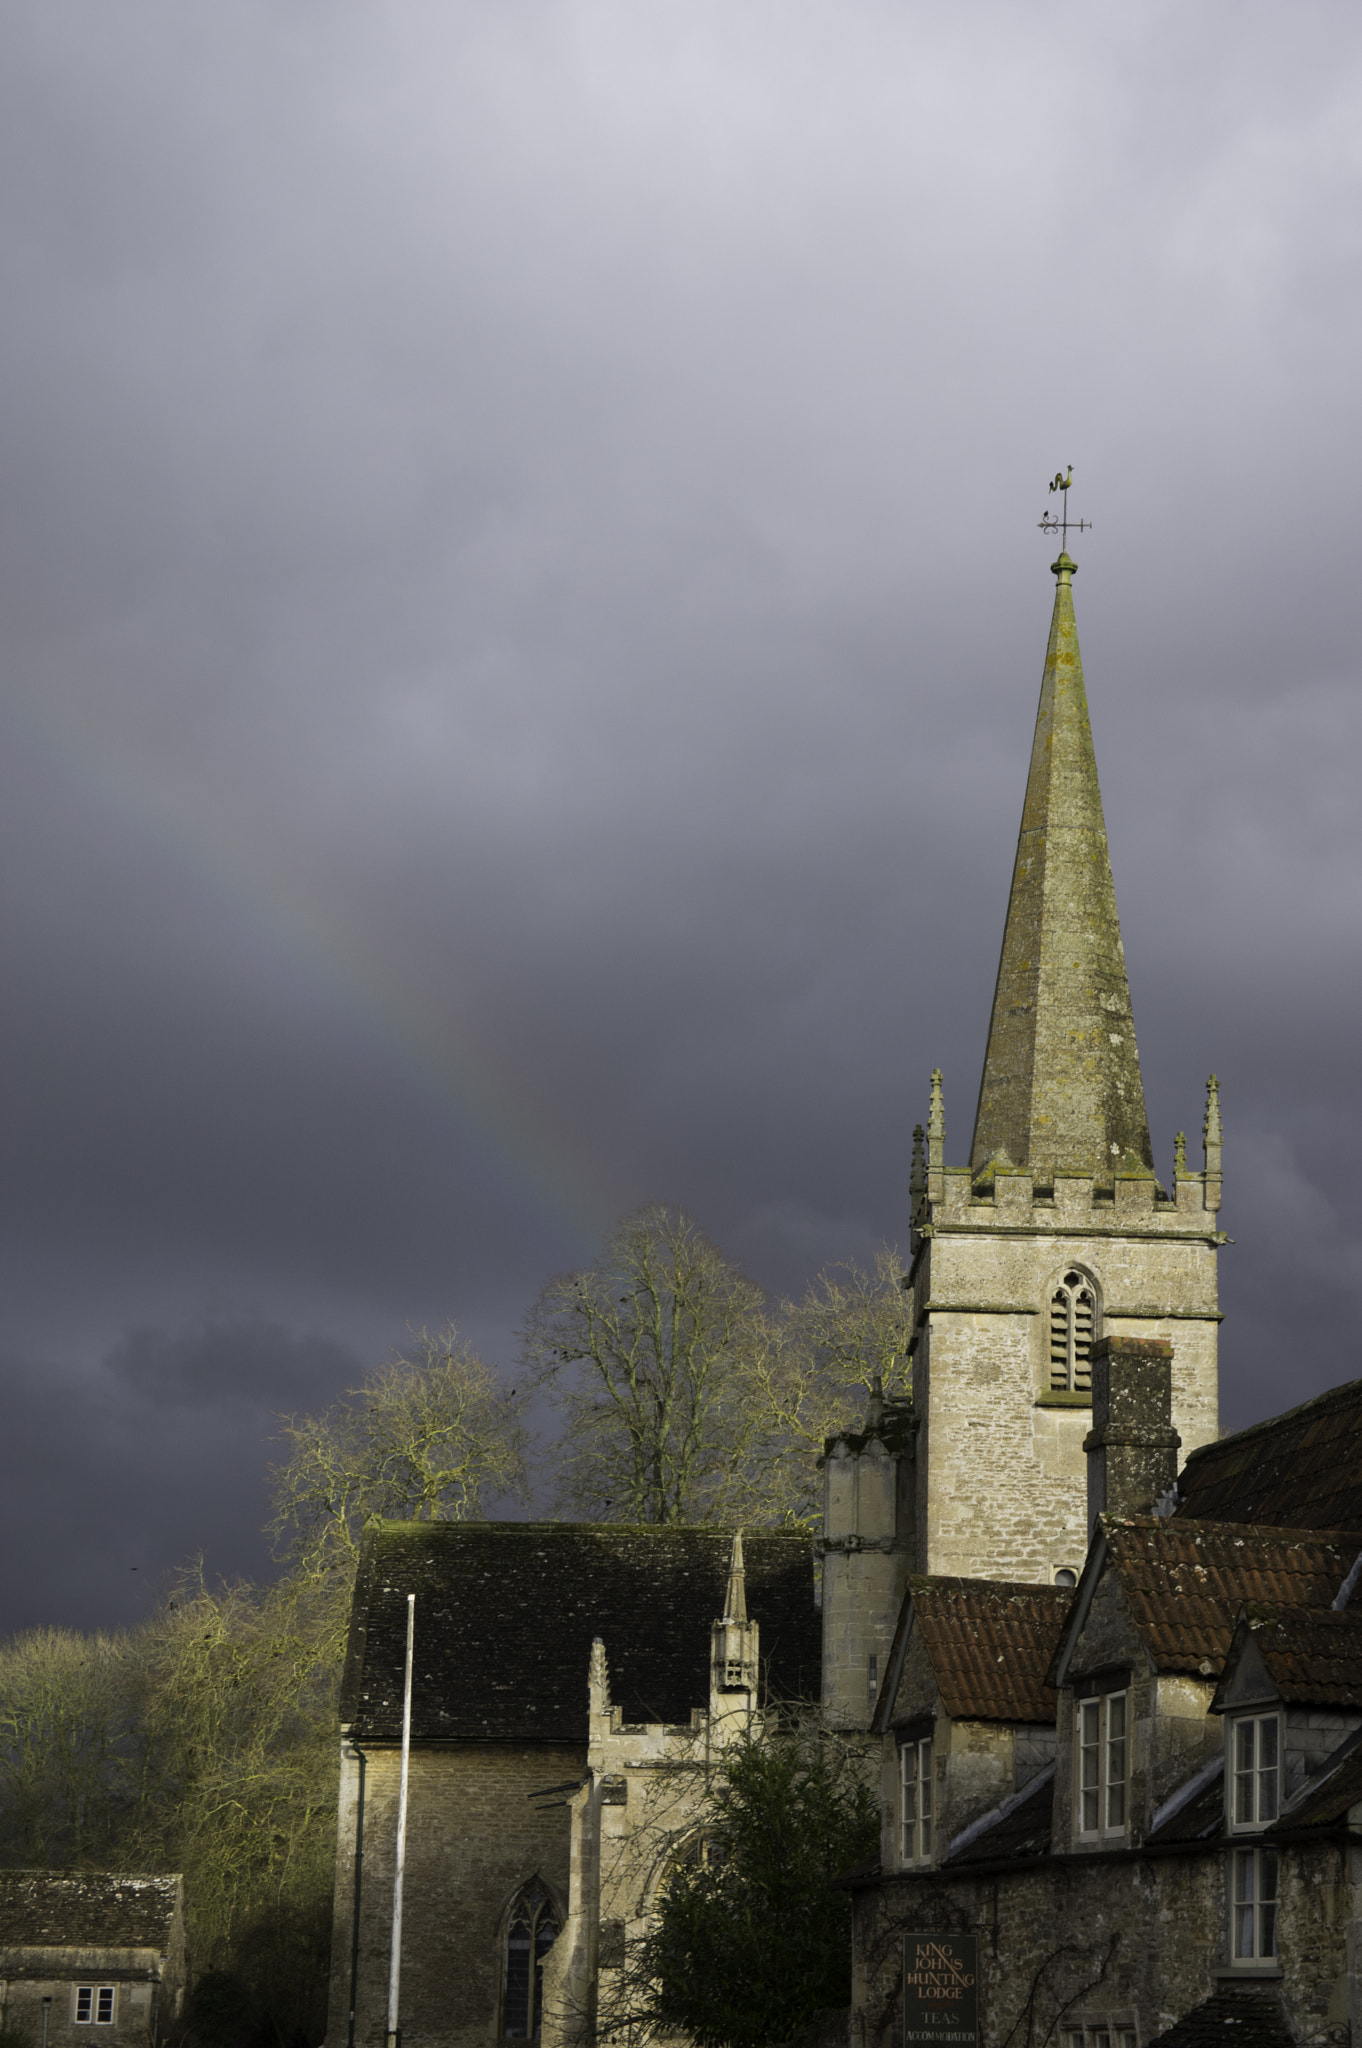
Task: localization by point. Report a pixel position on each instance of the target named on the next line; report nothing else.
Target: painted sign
(940, 1991)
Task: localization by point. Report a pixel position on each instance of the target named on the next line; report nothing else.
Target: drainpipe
(395, 1965)
(359, 1875)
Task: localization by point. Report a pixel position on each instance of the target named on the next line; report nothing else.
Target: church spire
(1061, 1090)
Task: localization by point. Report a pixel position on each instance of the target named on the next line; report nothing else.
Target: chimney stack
(1132, 1447)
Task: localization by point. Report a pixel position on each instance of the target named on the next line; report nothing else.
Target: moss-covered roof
(1300, 1470)
(86, 1909)
(506, 1613)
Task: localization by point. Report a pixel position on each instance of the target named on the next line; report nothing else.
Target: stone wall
(474, 1837)
(1124, 1940)
(1006, 1489)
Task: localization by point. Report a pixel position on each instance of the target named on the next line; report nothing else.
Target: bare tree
(651, 1352)
(828, 1348)
(429, 1437)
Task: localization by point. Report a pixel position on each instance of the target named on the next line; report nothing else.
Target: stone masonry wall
(1123, 1941)
(1006, 1479)
(474, 1838)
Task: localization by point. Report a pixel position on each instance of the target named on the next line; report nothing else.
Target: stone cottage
(89, 1957)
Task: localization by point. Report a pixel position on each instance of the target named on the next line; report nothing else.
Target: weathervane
(1049, 524)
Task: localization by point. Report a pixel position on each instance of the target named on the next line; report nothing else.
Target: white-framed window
(1100, 2034)
(530, 1934)
(1253, 1905)
(1103, 1764)
(94, 2005)
(1073, 1325)
(1254, 1778)
(915, 1801)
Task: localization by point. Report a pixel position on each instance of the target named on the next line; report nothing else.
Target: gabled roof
(506, 1613)
(1238, 2016)
(87, 1909)
(1301, 1470)
(1185, 1582)
(1311, 1655)
(989, 1643)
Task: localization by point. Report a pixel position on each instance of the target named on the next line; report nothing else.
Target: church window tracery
(1073, 1320)
(530, 1934)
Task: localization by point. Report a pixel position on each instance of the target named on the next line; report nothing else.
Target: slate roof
(1238, 2016)
(1301, 1470)
(1201, 1817)
(989, 1643)
(86, 1909)
(506, 1613)
(1023, 1828)
(1186, 1581)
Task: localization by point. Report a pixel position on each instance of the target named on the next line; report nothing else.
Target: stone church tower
(1057, 1232)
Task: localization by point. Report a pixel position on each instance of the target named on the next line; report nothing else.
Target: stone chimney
(1132, 1447)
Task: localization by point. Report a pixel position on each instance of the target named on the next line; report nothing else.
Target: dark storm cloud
(522, 622)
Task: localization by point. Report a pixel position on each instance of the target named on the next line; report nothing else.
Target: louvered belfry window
(1073, 1311)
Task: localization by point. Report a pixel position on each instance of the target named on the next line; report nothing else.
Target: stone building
(571, 1687)
(91, 1956)
(1120, 1715)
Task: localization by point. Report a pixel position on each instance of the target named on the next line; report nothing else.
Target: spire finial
(1210, 1126)
(735, 1600)
(936, 1126)
(1180, 1156)
(598, 1678)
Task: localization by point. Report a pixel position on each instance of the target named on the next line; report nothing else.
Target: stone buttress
(1058, 1231)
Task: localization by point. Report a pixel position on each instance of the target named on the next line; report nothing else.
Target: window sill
(1231, 1973)
(1049, 1400)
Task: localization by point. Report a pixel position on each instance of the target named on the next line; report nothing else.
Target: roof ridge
(1273, 1422)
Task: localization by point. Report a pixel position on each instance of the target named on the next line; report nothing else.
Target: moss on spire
(1061, 1090)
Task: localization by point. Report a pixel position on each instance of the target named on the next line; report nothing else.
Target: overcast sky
(522, 615)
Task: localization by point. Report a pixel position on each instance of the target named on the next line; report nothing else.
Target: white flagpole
(395, 1967)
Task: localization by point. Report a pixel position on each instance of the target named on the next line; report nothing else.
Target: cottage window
(1255, 1770)
(94, 2002)
(915, 1800)
(1102, 1764)
(1073, 1313)
(1253, 1908)
(531, 1934)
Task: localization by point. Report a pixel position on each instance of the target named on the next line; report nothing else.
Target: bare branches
(649, 1352)
(428, 1437)
(686, 1397)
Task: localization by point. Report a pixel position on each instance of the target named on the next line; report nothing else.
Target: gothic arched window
(1073, 1314)
(530, 1933)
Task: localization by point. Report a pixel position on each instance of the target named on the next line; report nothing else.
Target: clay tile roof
(989, 1644)
(1239, 2016)
(86, 1909)
(1301, 1470)
(1313, 1656)
(1187, 1581)
(506, 1613)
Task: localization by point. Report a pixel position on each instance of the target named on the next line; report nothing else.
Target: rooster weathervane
(1061, 525)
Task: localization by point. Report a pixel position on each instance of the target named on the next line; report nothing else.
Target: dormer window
(1073, 1315)
(1254, 1778)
